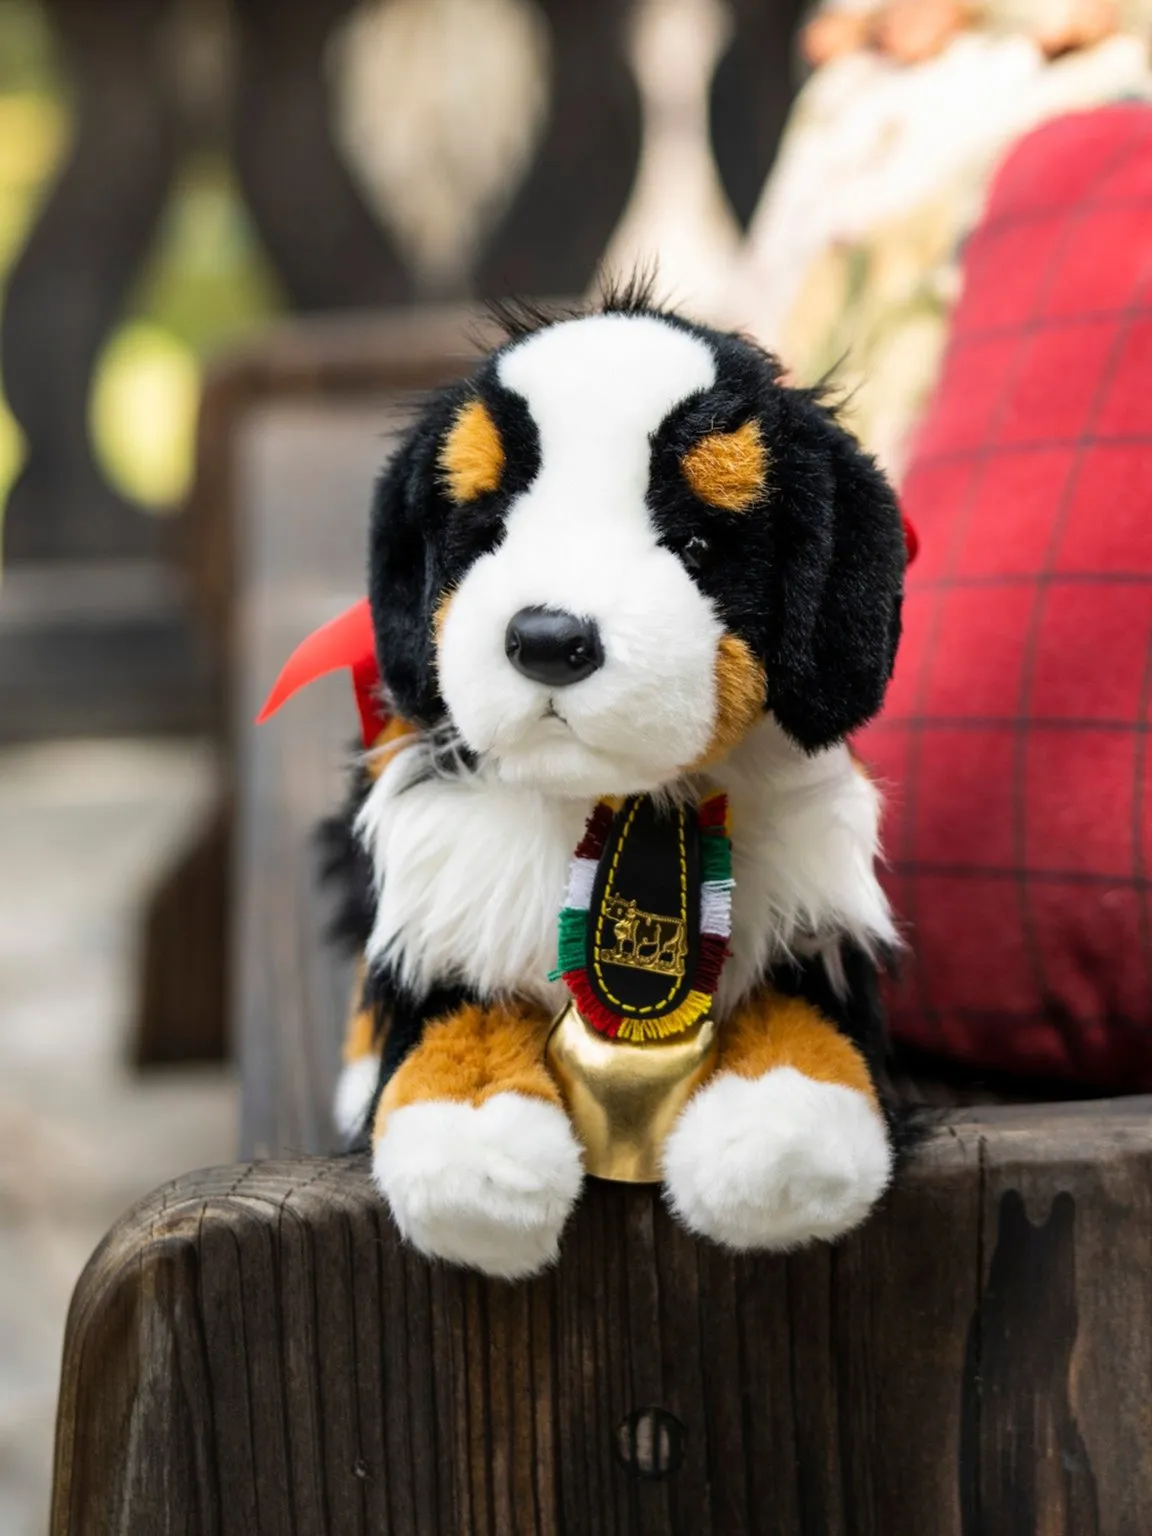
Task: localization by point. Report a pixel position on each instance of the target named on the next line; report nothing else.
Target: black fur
(401, 1017)
(812, 577)
(408, 1012)
(856, 1010)
(406, 561)
(634, 294)
(421, 544)
(346, 869)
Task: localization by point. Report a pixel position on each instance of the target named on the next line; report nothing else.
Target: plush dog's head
(605, 556)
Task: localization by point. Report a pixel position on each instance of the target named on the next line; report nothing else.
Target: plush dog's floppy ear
(406, 563)
(839, 558)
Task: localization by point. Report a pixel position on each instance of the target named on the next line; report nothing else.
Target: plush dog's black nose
(553, 647)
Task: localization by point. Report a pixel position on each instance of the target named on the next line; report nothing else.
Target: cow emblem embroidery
(645, 941)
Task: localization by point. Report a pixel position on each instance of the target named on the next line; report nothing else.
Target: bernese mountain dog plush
(629, 593)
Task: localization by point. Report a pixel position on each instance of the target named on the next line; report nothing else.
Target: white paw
(776, 1161)
(354, 1089)
(490, 1187)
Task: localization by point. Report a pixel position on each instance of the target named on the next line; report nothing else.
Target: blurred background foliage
(205, 281)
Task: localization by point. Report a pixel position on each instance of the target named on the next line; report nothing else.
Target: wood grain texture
(306, 478)
(1058, 1381)
(252, 1350)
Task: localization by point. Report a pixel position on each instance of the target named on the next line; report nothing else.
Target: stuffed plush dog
(623, 563)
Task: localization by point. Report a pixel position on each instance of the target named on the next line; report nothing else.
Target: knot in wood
(650, 1443)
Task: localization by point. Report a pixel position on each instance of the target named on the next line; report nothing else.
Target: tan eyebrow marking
(728, 470)
(471, 457)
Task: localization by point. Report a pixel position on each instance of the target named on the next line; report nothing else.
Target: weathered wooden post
(252, 1350)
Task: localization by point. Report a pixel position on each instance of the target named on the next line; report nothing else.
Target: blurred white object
(678, 217)
(851, 258)
(439, 104)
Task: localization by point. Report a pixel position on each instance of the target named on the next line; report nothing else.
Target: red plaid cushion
(1015, 740)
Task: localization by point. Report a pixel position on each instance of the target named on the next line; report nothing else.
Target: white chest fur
(805, 840)
(471, 873)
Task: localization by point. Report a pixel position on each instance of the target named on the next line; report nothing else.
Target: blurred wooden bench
(313, 372)
(251, 1349)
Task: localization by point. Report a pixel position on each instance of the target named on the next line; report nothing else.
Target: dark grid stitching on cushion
(1024, 728)
(1079, 975)
(1053, 244)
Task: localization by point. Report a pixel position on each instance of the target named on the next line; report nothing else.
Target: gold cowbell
(623, 1097)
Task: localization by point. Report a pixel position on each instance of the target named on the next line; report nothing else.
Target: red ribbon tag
(911, 540)
(345, 641)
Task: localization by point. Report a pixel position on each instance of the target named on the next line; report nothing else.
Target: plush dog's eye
(696, 552)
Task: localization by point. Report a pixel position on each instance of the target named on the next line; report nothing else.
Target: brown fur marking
(774, 1031)
(471, 457)
(473, 1054)
(381, 753)
(360, 1036)
(728, 470)
(741, 689)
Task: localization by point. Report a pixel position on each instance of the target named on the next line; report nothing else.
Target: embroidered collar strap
(645, 927)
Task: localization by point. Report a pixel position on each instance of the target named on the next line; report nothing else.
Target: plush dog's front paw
(776, 1161)
(490, 1186)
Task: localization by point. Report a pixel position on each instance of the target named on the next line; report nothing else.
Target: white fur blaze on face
(581, 540)
(489, 1186)
(776, 1161)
